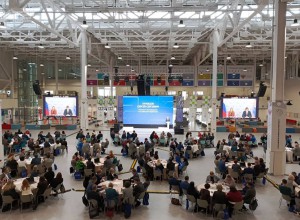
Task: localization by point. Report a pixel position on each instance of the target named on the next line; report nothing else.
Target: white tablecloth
(118, 185)
(18, 183)
(227, 148)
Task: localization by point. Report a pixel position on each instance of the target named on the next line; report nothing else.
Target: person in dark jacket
(94, 194)
(204, 193)
(193, 192)
(57, 180)
(49, 175)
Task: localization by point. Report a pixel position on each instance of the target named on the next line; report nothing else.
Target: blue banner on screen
(242, 107)
(147, 110)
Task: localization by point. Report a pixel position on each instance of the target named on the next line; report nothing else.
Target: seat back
(93, 203)
(238, 205)
(202, 203)
(7, 199)
(57, 187)
(191, 198)
(110, 203)
(235, 175)
(88, 172)
(41, 168)
(26, 198)
(184, 191)
(219, 207)
(248, 176)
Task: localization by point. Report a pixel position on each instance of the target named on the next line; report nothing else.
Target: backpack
(253, 205)
(24, 173)
(175, 201)
(85, 201)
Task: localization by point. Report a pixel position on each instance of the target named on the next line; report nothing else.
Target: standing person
(68, 112)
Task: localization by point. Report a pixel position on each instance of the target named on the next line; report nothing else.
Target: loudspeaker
(180, 79)
(262, 90)
(116, 128)
(159, 79)
(36, 88)
(169, 69)
(141, 87)
(147, 88)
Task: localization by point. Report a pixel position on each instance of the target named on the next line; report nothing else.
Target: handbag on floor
(84, 200)
(175, 201)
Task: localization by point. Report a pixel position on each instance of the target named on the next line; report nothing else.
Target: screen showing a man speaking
(147, 110)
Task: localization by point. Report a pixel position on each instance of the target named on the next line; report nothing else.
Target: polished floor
(70, 205)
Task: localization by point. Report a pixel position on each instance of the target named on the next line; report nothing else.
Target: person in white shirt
(21, 162)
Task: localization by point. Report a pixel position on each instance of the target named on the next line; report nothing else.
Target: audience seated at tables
(248, 169)
(111, 175)
(138, 189)
(155, 156)
(57, 180)
(91, 181)
(249, 193)
(233, 196)
(107, 163)
(236, 167)
(193, 192)
(204, 193)
(291, 183)
(229, 181)
(111, 194)
(184, 185)
(219, 197)
(134, 175)
(284, 189)
(170, 165)
(127, 193)
(212, 178)
(12, 164)
(90, 164)
(9, 189)
(25, 188)
(49, 175)
(41, 187)
(174, 181)
(36, 160)
(94, 194)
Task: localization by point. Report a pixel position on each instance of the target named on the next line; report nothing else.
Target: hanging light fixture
(295, 24)
(127, 64)
(249, 45)
(68, 57)
(15, 58)
(175, 46)
(173, 58)
(89, 65)
(170, 65)
(181, 24)
(41, 46)
(2, 25)
(84, 24)
(228, 57)
(289, 103)
(262, 64)
(107, 46)
(41, 64)
(245, 70)
(207, 70)
(120, 58)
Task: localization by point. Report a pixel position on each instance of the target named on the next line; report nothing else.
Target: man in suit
(68, 112)
(246, 113)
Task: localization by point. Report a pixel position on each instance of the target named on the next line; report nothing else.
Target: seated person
(9, 189)
(212, 178)
(111, 175)
(21, 162)
(57, 180)
(49, 175)
(94, 194)
(170, 165)
(204, 193)
(36, 160)
(233, 196)
(284, 189)
(134, 175)
(193, 192)
(138, 189)
(185, 184)
(159, 166)
(250, 193)
(111, 194)
(236, 167)
(229, 181)
(127, 193)
(219, 197)
(174, 181)
(90, 164)
(184, 163)
(248, 169)
(34, 172)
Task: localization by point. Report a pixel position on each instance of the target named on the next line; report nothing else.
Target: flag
(224, 110)
(46, 108)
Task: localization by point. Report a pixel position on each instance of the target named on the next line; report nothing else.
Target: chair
(141, 150)
(7, 200)
(157, 173)
(217, 208)
(46, 194)
(174, 189)
(93, 204)
(57, 188)
(47, 150)
(297, 201)
(184, 170)
(238, 206)
(232, 154)
(109, 204)
(235, 175)
(202, 204)
(88, 172)
(248, 177)
(25, 199)
(191, 199)
(286, 198)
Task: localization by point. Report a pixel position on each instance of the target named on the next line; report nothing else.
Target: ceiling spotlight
(96, 70)
(24, 69)
(261, 64)
(107, 46)
(84, 24)
(41, 46)
(15, 57)
(68, 57)
(127, 65)
(2, 25)
(181, 24)
(132, 70)
(295, 24)
(266, 74)
(49, 77)
(228, 57)
(59, 70)
(176, 46)
(289, 103)
(42, 73)
(170, 65)
(89, 65)
(249, 45)
(207, 70)
(245, 70)
(173, 58)
(120, 58)
(41, 64)
(285, 57)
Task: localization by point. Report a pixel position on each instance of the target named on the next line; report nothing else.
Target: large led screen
(147, 110)
(246, 108)
(62, 106)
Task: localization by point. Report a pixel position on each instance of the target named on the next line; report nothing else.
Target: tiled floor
(71, 207)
